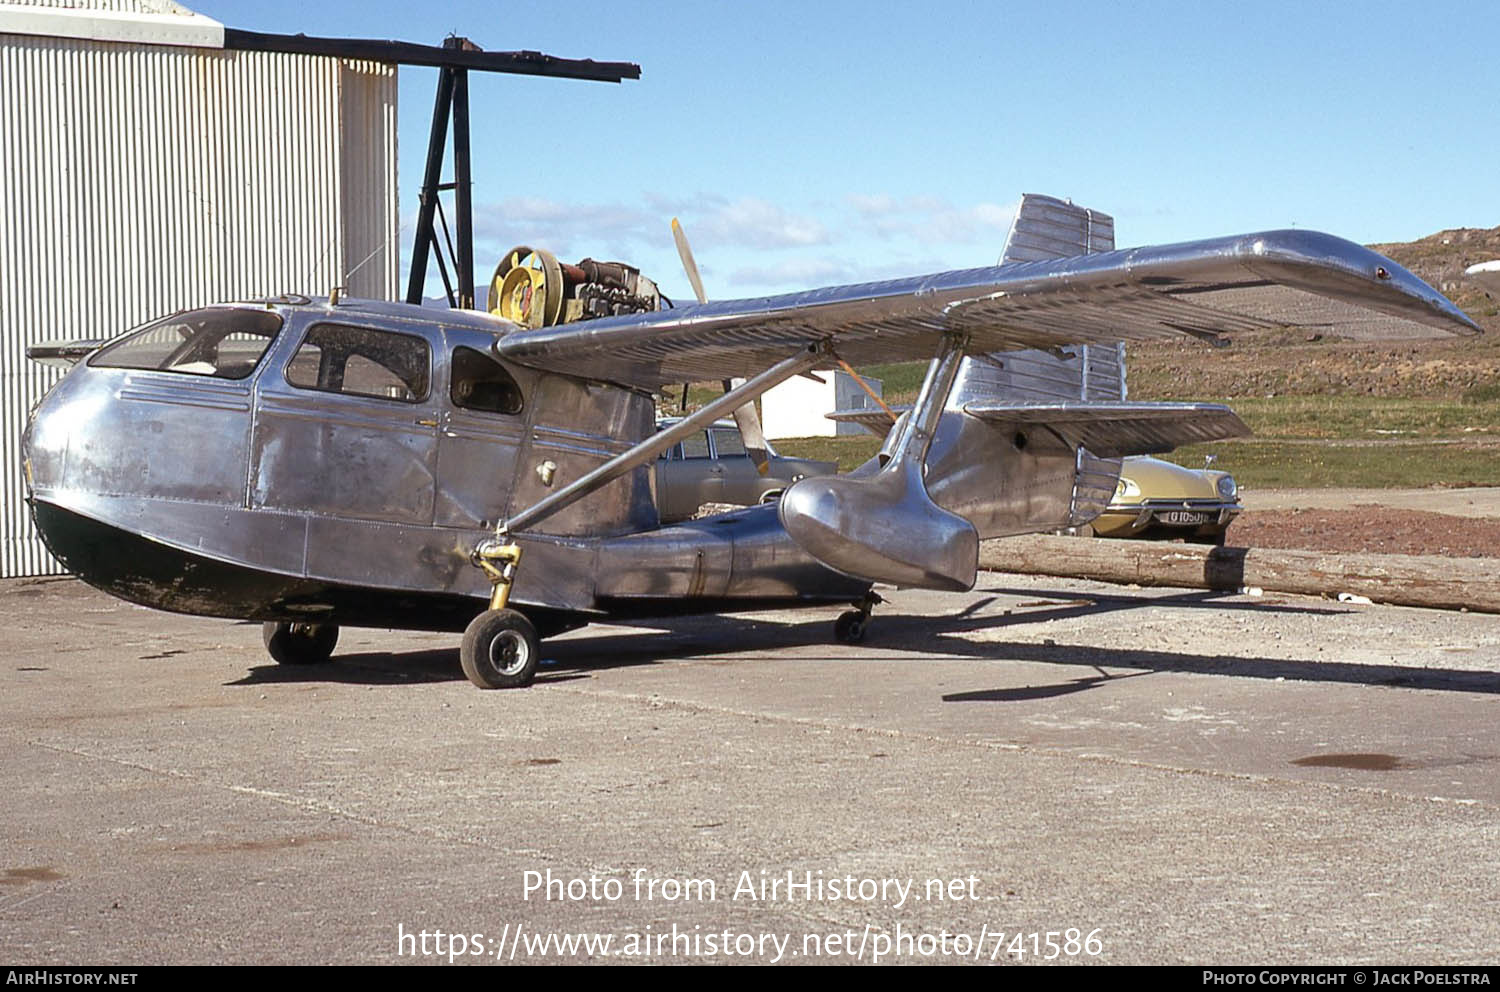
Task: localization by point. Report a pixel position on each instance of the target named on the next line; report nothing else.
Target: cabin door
(347, 427)
(482, 430)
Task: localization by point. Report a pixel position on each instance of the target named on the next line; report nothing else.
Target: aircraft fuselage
(337, 464)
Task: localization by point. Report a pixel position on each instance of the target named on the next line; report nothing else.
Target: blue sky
(806, 144)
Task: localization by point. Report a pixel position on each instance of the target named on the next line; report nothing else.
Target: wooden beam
(407, 53)
(1400, 580)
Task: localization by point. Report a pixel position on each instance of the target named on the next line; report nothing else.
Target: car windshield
(222, 343)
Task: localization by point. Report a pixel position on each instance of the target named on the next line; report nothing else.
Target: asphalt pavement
(1038, 768)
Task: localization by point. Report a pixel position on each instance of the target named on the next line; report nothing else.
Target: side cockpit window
(362, 361)
(222, 343)
(481, 383)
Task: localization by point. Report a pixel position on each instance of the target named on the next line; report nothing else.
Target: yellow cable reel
(527, 287)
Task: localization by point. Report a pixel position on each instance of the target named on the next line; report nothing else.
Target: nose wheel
(500, 650)
(850, 627)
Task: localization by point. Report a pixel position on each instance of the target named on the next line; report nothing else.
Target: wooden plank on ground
(1401, 580)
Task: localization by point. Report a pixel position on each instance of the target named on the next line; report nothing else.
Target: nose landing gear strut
(500, 649)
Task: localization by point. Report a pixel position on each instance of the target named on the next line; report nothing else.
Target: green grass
(1270, 464)
(1487, 393)
(850, 451)
(1273, 465)
(899, 382)
(1370, 417)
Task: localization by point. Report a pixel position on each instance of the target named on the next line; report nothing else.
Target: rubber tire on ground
(849, 628)
(300, 643)
(500, 650)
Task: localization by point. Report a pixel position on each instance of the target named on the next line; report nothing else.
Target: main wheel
(300, 643)
(500, 650)
(849, 628)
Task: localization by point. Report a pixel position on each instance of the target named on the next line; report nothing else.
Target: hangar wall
(137, 179)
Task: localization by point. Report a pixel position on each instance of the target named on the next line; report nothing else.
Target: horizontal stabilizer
(1113, 430)
(874, 421)
(1107, 430)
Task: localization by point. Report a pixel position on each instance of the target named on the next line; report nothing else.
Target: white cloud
(791, 274)
(748, 222)
(931, 219)
(601, 230)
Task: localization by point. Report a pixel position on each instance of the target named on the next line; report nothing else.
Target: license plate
(1184, 517)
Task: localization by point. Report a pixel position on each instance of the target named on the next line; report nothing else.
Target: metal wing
(1201, 288)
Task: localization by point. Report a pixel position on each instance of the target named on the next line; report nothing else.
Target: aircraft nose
(43, 446)
(26, 453)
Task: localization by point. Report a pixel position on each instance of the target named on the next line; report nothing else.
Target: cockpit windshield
(222, 342)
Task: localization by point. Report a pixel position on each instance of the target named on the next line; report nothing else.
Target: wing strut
(654, 445)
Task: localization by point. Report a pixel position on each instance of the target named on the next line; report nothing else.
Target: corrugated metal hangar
(145, 168)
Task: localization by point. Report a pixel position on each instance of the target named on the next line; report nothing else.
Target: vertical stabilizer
(1046, 227)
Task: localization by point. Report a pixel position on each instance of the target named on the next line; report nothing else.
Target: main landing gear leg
(500, 649)
(850, 627)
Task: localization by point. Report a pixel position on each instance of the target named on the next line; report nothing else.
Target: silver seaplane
(342, 462)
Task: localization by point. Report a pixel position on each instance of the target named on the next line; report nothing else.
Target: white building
(799, 406)
(144, 169)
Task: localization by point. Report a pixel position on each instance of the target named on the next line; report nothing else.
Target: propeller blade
(751, 433)
(689, 266)
(745, 418)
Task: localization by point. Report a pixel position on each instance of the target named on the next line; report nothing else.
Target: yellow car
(1156, 499)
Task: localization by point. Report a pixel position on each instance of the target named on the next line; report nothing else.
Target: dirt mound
(1373, 530)
(1440, 260)
(1293, 362)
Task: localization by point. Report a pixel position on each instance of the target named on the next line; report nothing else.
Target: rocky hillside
(1295, 362)
(1441, 258)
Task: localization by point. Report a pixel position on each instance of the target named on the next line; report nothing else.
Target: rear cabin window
(695, 446)
(220, 343)
(362, 361)
(481, 383)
